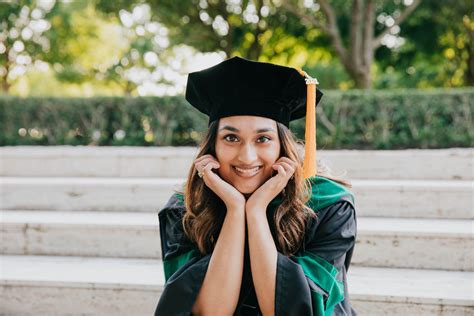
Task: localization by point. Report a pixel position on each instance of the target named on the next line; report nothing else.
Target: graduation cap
(238, 86)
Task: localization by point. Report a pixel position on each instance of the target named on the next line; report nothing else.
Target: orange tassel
(310, 164)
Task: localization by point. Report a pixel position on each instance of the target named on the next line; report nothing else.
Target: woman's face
(246, 148)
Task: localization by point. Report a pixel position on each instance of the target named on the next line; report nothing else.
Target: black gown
(312, 282)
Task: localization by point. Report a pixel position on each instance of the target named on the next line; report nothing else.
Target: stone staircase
(79, 229)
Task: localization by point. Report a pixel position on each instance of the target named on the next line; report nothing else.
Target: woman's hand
(229, 194)
(260, 199)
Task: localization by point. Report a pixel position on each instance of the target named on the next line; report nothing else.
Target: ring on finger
(201, 172)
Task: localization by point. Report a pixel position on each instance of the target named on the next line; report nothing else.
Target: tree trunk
(469, 74)
(363, 80)
(357, 56)
(5, 84)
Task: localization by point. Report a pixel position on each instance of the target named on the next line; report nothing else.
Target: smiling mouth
(247, 173)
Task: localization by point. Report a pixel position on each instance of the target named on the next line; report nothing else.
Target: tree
(357, 47)
(22, 40)
(143, 65)
(438, 48)
(211, 25)
(249, 27)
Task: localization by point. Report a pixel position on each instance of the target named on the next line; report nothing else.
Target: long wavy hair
(205, 211)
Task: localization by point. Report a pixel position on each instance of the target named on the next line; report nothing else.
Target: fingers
(202, 158)
(209, 166)
(281, 170)
(287, 160)
(285, 166)
(205, 164)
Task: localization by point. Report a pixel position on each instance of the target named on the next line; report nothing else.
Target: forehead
(248, 122)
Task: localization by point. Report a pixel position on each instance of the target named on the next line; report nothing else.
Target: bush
(355, 119)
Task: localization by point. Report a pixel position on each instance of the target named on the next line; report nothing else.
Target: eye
(264, 139)
(230, 138)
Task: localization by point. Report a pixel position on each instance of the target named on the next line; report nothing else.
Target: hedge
(357, 119)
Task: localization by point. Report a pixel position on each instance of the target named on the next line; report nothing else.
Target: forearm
(220, 290)
(263, 260)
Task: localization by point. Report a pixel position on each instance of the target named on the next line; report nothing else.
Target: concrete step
(386, 198)
(102, 286)
(446, 244)
(411, 291)
(48, 285)
(87, 194)
(382, 242)
(90, 161)
(93, 161)
(101, 234)
(415, 198)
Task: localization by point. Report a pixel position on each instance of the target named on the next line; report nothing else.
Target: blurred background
(95, 135)
(399, 71)
(142, 48)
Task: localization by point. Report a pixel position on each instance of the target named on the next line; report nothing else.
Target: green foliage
(22, 27)
(91, 52)
(354, 119)
(395, 119)
(98, 121)
(438, 51)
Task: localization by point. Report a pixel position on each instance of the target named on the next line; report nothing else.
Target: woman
(250, 235)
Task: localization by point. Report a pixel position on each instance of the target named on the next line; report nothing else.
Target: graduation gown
(311, 282)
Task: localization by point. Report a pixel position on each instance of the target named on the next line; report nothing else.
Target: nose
(247, 154)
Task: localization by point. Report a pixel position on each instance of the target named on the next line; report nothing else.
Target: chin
(246, 189)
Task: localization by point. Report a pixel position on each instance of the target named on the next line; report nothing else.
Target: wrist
(235, 208)
(255, 210)
(256, 204)
(235, 203)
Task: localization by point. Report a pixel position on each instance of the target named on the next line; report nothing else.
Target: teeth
(247, 170)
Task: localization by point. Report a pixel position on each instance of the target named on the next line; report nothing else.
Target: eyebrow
(233, 129)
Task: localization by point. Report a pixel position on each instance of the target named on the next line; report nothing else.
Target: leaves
(354, 119)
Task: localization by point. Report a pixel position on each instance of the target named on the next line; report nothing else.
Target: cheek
(270, 155)
(224, 157)
(223, 154)
(220, 152)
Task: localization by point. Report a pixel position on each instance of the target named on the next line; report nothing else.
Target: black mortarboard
(239, 86)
